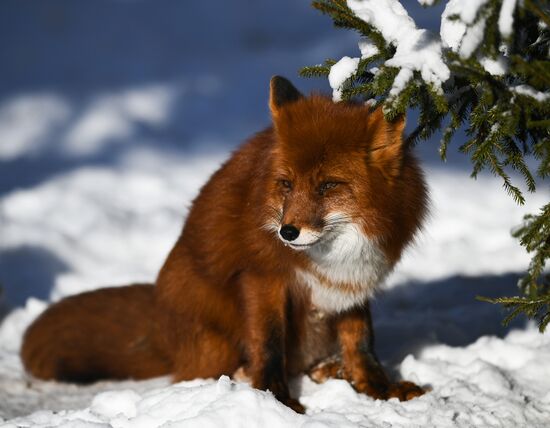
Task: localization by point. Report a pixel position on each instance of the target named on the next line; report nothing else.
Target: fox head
(334, 166)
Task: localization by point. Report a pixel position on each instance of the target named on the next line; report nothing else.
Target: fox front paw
(403, 390)
(378, 387)
(330, 368)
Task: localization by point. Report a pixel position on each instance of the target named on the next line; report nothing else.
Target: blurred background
(84, 83)
(113, 113)
(133, 85)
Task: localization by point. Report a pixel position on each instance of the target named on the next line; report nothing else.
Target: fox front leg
(359, 362)
(265, 314)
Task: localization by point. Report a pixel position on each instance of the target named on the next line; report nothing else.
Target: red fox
(273, 271)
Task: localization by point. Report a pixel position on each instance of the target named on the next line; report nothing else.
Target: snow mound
(499, 378)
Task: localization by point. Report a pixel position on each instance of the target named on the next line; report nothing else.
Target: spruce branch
(505, 113)
(343, 17)
(538, 308)
(319, 70)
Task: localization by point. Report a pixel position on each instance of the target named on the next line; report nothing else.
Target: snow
(506, 17)
(367, 48)
(452, 30)
(496, 67)
(462, 35)
(400, 82)
(387, 16)
(18, 135)
(77, 203)
(416, 49)
(114, 403)
(137, 215)
(497, 378)
(419, 49)
(101, 155)
(468, 9)
(339, 73)
(472, 38)
(531, 92)
(117, 117)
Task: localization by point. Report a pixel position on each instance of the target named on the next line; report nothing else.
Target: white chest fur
(346, 268)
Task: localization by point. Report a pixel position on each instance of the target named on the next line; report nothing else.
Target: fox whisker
(271, 227)
(274, 218)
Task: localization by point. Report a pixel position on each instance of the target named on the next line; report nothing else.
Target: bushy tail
(102, 334)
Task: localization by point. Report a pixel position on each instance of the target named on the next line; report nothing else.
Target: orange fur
(101, 334)
(234, 294)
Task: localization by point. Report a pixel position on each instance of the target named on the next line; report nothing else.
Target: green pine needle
(503, 123)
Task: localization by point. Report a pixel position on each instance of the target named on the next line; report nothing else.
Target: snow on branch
(531, 92)
(506, 18)
(463, 26)
(339, 73)
(416, 49)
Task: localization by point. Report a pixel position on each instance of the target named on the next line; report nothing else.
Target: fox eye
(285, 184)
(327, 185)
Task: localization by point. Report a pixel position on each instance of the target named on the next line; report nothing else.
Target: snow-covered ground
(114, 113)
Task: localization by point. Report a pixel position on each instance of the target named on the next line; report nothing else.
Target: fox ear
(281, 93)
(387, 144)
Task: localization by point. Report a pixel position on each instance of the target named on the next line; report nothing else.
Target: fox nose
(289, 232)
